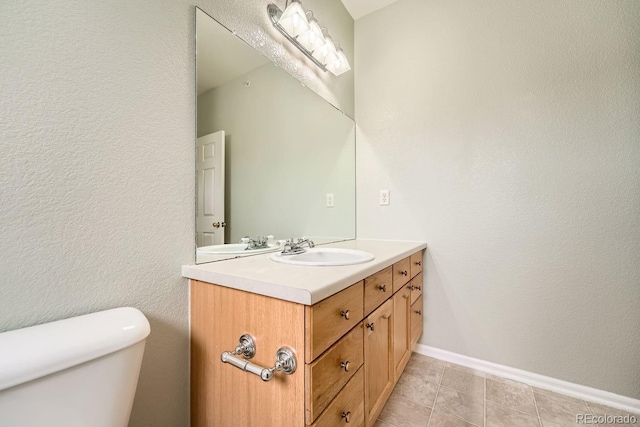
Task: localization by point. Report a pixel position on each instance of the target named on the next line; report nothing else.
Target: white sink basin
(232, 248)
(325, 257)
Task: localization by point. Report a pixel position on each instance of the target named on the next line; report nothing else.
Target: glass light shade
(312, 39)
(294, 20)
(327, 52)
(340, 65)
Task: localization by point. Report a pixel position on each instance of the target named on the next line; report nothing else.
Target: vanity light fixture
(307, 35)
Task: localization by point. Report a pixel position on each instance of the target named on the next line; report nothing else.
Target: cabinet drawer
(331, 318)
(331, 371)
(401, 271)
(377, 288)
(416, 287)
(416, 320)
(348, 406)
(416, 263)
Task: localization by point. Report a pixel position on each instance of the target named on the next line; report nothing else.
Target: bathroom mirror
(273, 157)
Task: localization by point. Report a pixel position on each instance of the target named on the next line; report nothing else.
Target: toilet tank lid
(33, 352)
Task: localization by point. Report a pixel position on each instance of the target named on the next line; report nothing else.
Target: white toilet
(77, 372)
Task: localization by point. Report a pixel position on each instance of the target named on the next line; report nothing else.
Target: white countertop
(301, 284)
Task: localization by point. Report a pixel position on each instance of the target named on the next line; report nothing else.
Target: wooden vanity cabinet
(401, 330)
(326, 376)
(350, 348)
(416, 321)
(331, 318)
(401, 273)
(377, 289)
(416, 264)
(378, 356)
(222, 395)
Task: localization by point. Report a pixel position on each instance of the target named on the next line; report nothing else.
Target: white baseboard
(559, 386)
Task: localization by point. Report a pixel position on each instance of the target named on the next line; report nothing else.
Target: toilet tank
(77, 372)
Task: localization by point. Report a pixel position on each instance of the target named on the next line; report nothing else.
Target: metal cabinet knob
(418, 262)
(419, 288)
(404, 273)
(370, 326)
(345, 314)
(346, 416)
(419, 312)
(411, 287)
(345, 366)
(383, 288)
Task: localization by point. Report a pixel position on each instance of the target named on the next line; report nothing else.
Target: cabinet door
(416, 321)
(416, 287)
(378, 360)
(401, 330)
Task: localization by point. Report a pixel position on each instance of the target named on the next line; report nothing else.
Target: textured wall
(97, 169)
(508, 134)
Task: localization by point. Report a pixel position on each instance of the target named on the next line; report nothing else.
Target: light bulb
(340, 65)
(294, 20)
(327, 52)
(312, 39)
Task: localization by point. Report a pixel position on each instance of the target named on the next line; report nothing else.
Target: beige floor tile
(463, 381)
(500, 416)
(557, 395)
(416, 389)
(512, 394)
(404, 413)
(559, 410)
(469, 408)
(440, 419)
(602, 410)
(464, 368)
(563, 423)
(427, 368)
(381, 423)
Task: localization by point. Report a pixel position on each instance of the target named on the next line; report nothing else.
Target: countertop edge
(297, 294)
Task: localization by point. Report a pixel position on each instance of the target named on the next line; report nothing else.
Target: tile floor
(434, 393)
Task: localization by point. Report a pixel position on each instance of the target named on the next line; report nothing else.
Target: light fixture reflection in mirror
(286, 149)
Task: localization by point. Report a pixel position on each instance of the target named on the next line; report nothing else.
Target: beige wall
(508, 134)
(97, 174)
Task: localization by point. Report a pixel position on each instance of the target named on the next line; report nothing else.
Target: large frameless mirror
(273, 158)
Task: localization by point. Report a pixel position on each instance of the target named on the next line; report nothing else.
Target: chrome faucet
(292, 247)
(258, 243)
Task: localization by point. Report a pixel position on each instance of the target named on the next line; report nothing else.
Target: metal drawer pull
(418, 262)
(345, 366)
(419, 288)
(411, 287)
(285, 359)
(404, 272)
(419, 312)
(345, 314)
(383, 288)
(370, 326)
(346, 416)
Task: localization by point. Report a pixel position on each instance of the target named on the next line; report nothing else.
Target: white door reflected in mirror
(210, 202)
